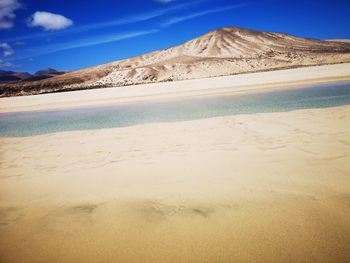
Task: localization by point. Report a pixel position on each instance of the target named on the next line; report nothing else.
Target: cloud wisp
(6, 49)
(49, 21)
(7, 12)
(6, 64)
(164, 1)
(97, 40)
(85, 42)
(175, 20)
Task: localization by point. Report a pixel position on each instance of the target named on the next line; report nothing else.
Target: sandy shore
(268, 187)
(237, 84)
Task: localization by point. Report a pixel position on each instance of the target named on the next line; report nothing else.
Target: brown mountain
(12, 76)
(227, 51)
(45, 74)
(8, 76)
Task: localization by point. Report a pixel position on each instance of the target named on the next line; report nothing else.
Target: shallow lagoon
(128, 114)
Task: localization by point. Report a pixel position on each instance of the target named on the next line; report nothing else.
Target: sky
(70, 35)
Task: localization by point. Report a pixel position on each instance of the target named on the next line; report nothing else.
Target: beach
(266, 187)
(174, 131)
(262, 187)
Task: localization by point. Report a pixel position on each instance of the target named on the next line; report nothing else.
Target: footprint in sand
(155, 210)
(83, 209)
(9, 216)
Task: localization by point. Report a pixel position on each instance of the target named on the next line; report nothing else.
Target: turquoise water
(128, 114)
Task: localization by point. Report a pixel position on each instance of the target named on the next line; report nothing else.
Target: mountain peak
(234, 30)
(45, 72)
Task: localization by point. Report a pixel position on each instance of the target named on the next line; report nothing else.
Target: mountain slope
(230, 50)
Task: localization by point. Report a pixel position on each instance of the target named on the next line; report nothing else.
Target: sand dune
(251, 188)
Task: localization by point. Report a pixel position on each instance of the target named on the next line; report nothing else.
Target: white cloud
(7, 49)
(49, 21)
(5, 64)
(7, 12)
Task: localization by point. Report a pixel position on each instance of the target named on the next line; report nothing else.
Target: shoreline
(230, 85)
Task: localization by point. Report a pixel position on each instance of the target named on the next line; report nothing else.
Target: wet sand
(270, 187)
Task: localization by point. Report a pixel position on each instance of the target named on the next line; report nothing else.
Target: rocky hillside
(227, 51)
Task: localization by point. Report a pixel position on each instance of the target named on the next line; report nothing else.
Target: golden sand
(270, 187)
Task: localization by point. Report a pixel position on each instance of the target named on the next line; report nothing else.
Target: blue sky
(69, 35)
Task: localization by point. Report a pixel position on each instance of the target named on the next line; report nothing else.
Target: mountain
(13, 76)
(226, 51)
(44, 72)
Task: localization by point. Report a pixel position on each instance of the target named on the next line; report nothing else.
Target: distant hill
(226, 51)
(12, 76)
(48, 71)
(45, 73)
